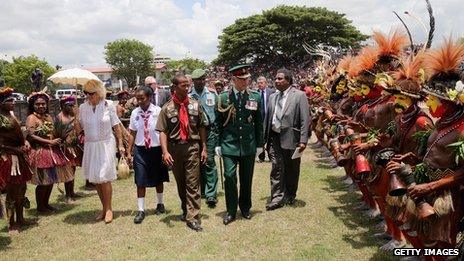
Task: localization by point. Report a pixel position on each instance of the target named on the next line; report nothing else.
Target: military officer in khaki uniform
(183, 143)
(240, 134)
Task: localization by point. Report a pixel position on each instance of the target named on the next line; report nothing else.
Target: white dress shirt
(284, 100)
(137, 124)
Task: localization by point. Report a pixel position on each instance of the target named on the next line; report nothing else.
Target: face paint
(402, 103)
(340, 89)
(436, 107)
(351, 92)
(364, 90)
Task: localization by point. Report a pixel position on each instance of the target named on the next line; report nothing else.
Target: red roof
(159, 66)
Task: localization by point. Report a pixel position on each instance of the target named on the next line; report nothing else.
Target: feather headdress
(410, 76)
(392, 44)
(344, 64)
(389, 48)
(363, 65)
(444, 72)
(5, 93)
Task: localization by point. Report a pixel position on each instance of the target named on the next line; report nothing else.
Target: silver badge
(174, 119)
(190, 106)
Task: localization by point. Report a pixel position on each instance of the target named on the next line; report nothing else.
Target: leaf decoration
(420, 173)
(373, 134)
(421, 137)
(458, 150)
(5, 123)
(391, 128)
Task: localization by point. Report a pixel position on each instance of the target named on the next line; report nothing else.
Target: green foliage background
(129, 58)
(17, 74)
(275, 37)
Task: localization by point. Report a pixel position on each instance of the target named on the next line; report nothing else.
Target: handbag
(123, 169)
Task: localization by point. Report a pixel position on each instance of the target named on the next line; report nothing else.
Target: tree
(185, 66)
(275, 38)
(17, 74)
(130, 58)
(3, 64)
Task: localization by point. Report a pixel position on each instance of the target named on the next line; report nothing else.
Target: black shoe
(273, 206)
(291, 201)
(211, 202)
(139, 217)
(160, 209)
(246, 214)
(195, 225)
(228, 219)
(183, 217)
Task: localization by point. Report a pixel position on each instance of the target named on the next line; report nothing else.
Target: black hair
(33, 99)
(287, 75)
(176, 79)
(148, 91)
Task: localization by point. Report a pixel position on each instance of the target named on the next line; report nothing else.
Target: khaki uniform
(186, 154)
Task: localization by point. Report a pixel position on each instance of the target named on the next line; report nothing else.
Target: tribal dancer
(407, 131)
(45, 155)
(437, 180)
(71, 146)
(14, 168)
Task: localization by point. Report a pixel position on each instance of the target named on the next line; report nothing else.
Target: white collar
(151, 108)
(286, 91)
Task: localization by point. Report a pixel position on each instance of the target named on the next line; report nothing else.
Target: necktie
(146, 132)
(279, 111)
(239, 98)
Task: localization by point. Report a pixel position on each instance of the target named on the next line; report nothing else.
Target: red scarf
(183, 116)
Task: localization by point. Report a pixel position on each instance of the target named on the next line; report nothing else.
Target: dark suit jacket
(163, 97)
(268, 93)
(295, 119)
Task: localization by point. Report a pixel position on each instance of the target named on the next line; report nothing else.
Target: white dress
(99, 160)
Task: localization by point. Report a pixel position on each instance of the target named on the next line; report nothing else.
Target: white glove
(218, 151)
(259, 150)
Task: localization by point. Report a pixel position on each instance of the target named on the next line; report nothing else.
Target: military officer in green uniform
(208, 101)
(240, 137)
(182, 138)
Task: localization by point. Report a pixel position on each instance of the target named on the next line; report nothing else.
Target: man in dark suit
(265, 92)
(287, 127)
(160, 96)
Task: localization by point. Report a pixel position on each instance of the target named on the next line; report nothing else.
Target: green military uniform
(186, 154)
(209, 175)
(240, 133)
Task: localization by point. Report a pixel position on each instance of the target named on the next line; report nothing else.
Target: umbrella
(73, 77)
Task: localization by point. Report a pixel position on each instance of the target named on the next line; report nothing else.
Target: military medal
(174, 119)
(250, 118)
(251, 105)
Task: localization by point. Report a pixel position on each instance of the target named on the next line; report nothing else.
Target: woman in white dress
(97, 118)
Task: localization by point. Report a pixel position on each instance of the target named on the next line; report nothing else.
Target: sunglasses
(89, 93)
(280, 78)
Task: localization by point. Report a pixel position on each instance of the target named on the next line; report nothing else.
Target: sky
(73, 33)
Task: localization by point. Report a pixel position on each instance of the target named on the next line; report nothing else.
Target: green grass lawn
(321, 226)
